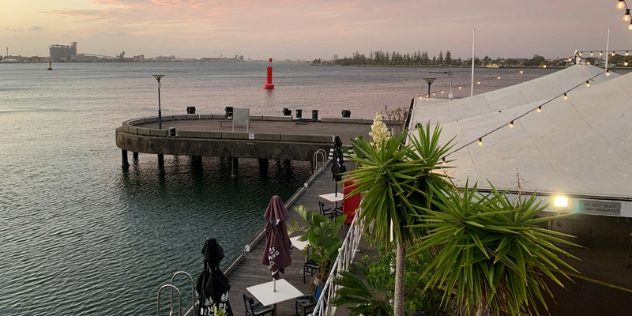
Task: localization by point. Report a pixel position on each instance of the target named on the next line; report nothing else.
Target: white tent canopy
(580, 147)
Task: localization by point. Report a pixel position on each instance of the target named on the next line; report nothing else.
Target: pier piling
(124, 162)
(135, 156)
(263, 165)
(234, 167)
(161, 163)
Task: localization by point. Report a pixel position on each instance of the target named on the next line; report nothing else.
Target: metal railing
(179, 299)
(346, 254)
(317, 154)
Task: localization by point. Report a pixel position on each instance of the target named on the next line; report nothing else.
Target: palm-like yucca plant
(395, 180)
(494, 255)
(366, 295)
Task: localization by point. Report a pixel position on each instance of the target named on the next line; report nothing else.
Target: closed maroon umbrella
(277, 254)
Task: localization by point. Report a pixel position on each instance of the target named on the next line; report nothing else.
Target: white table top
(300, 245)
(284, 291)
(332, 197)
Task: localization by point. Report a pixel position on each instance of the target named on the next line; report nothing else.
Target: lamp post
(159, 112)
(449, 73)
(429, 81)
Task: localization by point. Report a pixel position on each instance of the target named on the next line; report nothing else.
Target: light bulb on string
(441, 91)
(630, 26)
(539, 109)
(613, 53)
(521, 72)
(434, 93)
(459, 87)
(600, 53)
(581, 53)
(443, 160)
(498, 77)
(625, 63)
(565, 96)
(627, 53)
(607, 72)
(478, 82)
(620, 4)
(626, 17)
(591, 53)
(480, 141)
(587, 84)
(511, 124)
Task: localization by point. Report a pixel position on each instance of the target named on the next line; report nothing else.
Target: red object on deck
(350, 203)
(269, 84)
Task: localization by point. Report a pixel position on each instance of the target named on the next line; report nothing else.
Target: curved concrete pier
(268, 137)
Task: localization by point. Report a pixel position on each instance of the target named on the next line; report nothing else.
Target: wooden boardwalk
(251, 272)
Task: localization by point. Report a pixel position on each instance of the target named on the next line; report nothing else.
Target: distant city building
(62, 52)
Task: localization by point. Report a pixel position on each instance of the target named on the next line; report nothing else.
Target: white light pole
(159, 113)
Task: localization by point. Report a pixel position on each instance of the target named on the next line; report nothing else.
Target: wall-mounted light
(560, 201)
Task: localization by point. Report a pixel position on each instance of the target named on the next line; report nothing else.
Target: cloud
(78, 13)
(15, 30)
(119, 34)
(35, 28)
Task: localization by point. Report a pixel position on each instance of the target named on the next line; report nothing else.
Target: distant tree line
(419, 58)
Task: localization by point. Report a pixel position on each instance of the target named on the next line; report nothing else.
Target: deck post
(234, 167)
(124, 162)
(135, 156)
(161, 163)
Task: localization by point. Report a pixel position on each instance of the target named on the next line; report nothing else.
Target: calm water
(80, 236)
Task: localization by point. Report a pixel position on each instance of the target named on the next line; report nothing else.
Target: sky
(295, 29)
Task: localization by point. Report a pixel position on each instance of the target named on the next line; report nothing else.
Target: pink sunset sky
(312, 29)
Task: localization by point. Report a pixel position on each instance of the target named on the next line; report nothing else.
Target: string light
(443, 160)
(565, 96)
(607, 72)
(441, 91)
(478, 82)
(498, 77)
(459, 87)
(620, 4)
(587, 83)
(511, 123)
(630, 26)
(625, 63)
(521, 72)
(627, 53)
(613, 53)
(600, 53)
(626, 17)
(591, 53)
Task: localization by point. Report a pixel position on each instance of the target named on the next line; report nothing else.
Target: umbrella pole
(273, 285)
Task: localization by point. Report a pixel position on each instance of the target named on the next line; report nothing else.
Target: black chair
(330, 212)
(309, 301)
(310, 266)
(258, 309)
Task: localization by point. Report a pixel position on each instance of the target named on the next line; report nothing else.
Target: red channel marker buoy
(269, 84)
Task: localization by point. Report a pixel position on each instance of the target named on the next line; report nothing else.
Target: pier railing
(346, 254)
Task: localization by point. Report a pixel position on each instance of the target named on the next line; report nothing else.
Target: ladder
(173, 287)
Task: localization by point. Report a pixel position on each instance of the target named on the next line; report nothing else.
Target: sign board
(251, 136)
(605, 208)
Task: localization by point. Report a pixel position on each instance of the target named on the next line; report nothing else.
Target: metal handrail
(346, 254)
(192, 287)
(179, 299)
(318, 153)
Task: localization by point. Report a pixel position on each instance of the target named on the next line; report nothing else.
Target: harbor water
(79, 235)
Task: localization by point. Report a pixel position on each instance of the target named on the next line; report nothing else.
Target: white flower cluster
(379, 132)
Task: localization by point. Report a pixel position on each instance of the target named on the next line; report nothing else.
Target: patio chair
(330, 212)
(257, 309)
(310, 266)
(309, 301)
